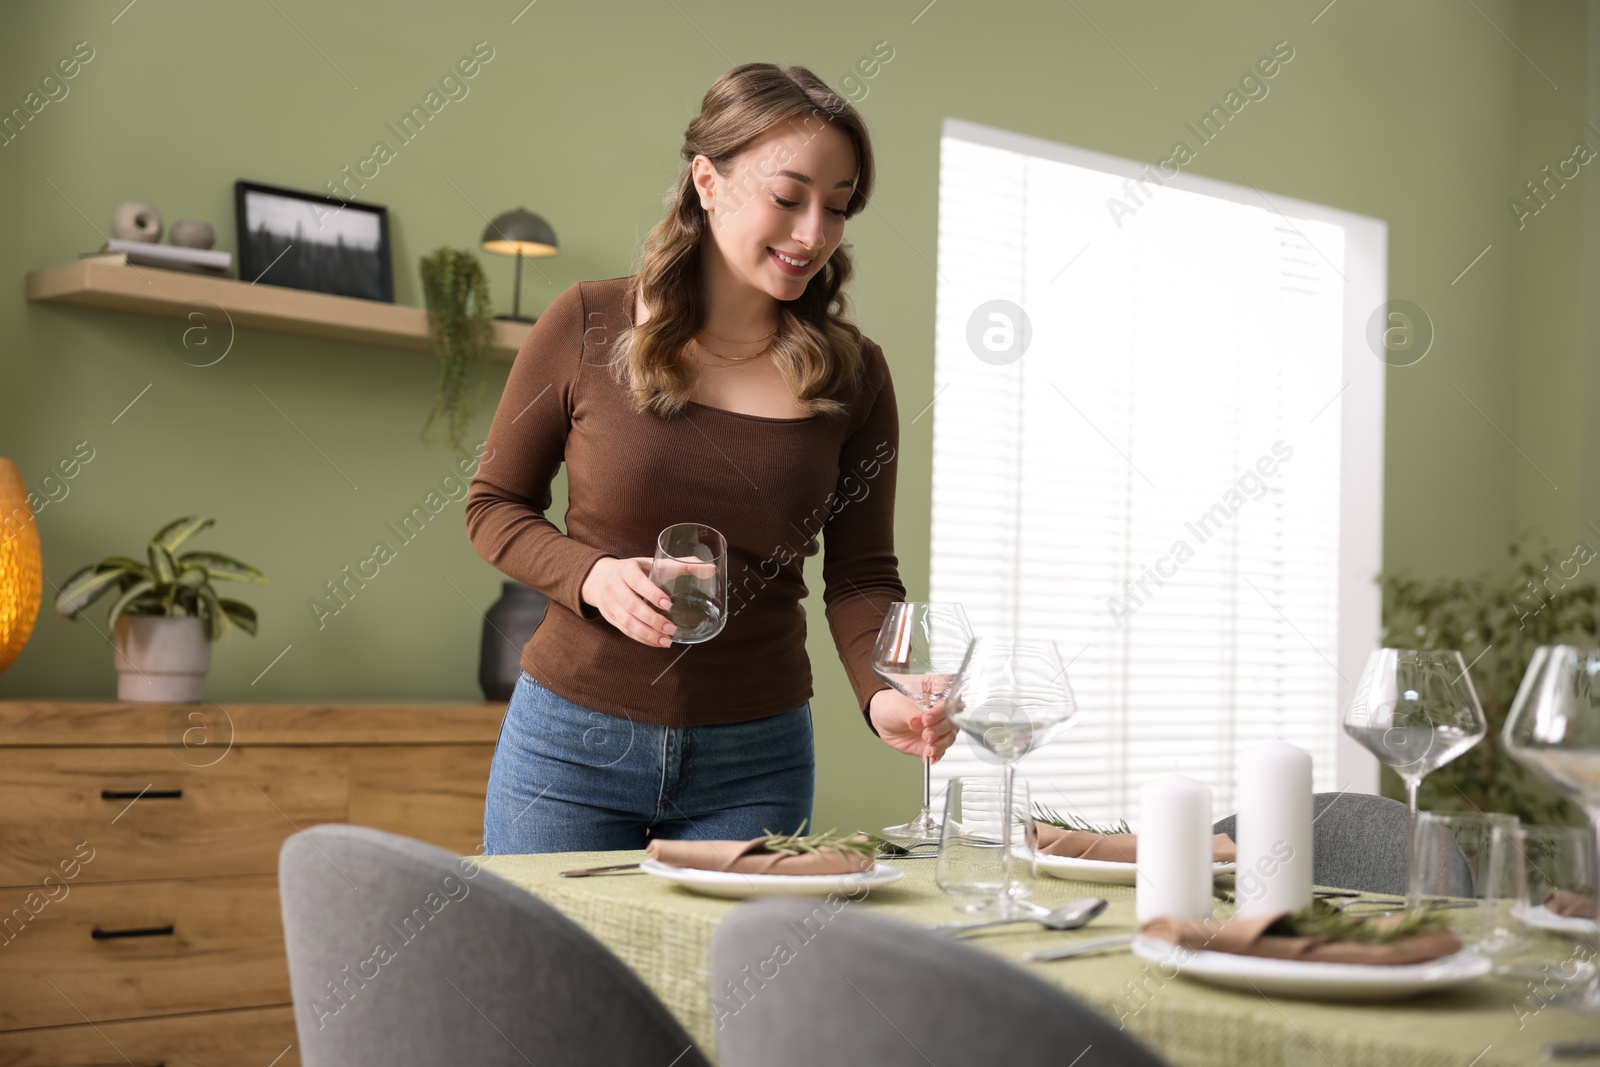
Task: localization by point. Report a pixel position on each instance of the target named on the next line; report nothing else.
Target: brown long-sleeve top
(771, 486)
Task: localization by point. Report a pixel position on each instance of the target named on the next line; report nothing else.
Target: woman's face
(786, 193)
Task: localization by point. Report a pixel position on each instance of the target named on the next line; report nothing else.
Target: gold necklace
(730, 359)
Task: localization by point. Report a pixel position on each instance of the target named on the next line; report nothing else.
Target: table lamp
(519, 233)
(21, 573)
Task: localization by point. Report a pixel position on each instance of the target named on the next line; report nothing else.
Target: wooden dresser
(139, 918)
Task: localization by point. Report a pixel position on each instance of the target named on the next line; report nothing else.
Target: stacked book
(172, 257)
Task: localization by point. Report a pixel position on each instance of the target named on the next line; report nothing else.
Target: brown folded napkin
(1572, 905)
(1114, 848)
(747, 857)
(1248, 937)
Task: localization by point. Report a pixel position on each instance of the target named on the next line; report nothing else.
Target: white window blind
(1162, 425)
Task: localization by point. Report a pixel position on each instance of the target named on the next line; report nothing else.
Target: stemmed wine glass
(1010, 697)
(1416, 710)
(1553, 729)
(920, 648)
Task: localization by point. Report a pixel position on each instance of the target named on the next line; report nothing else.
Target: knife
(1079, 949)
(584, 872)
(1572, 1050)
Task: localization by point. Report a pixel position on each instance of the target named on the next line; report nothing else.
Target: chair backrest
(406, 955)
(798, 982)
(1358, 841)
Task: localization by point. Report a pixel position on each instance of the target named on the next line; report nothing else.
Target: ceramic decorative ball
(134, 221)
(192, 234)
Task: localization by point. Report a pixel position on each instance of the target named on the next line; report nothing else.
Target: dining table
(663, 932)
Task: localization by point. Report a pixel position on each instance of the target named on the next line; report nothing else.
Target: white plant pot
(162, 659)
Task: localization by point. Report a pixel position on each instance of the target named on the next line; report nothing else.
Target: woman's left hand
(906, 727)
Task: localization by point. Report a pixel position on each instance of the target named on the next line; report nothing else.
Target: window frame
(1360, 405)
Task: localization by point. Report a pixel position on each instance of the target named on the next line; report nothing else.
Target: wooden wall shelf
(103, 283)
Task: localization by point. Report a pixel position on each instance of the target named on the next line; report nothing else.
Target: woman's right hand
(622, 591)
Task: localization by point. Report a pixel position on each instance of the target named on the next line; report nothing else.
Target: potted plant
(461, 324)
(166, 613)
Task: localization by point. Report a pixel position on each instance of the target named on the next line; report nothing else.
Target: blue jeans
(566, 778)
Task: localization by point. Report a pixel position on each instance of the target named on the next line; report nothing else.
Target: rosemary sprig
(800, 842)
(1072, 822)
(1325, 920)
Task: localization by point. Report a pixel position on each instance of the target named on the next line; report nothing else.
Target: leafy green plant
(1071, 822)
(799, 842)
(1332, 923)
(461, 323)
(1496, 622)
(168, 584)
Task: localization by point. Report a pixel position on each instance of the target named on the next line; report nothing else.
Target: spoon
(1067, 917)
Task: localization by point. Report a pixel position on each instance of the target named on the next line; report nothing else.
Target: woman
(721, 384)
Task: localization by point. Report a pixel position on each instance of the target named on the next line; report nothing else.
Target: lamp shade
(519, 231)
(21, 573)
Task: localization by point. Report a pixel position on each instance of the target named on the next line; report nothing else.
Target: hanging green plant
(461, 323)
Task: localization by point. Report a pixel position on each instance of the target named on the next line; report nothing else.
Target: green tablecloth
(664, 933)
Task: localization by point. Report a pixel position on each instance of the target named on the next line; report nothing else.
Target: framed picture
(312, 241)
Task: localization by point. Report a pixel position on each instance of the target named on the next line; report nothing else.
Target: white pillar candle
(1174, 857)
(1274, 829)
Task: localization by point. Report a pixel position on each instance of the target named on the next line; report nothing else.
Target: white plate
(1319, 981)
(1542, 918)
(1104, 872)
(737, 886)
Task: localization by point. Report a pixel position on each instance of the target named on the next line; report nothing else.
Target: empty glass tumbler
(691, 567)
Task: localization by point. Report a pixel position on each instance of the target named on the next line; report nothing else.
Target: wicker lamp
(21, 572)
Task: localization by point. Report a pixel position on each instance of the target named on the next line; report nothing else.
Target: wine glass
(1553, 729)
(691, 567)
(920, 648)
(1415, 710)
(1011, 697)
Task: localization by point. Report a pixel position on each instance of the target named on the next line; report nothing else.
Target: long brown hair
(816, 349)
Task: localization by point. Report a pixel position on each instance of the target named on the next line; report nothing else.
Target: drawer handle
(138, 794)
(138, 931)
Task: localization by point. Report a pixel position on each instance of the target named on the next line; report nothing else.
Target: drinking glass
(1557, 859)
(1556, 960)
(970, 839)
(1553, 729)
(1467, 866)
(919, 650)
(1011, 697)
(1415, 710)
(691, 567)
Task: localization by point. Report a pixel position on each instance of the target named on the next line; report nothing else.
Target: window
(1179, 479)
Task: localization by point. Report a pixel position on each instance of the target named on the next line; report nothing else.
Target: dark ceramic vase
(506, 628)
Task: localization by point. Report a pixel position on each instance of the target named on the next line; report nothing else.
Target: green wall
(1421, 114)
(1556, 490)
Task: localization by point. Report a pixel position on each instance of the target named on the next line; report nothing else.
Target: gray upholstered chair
(848, 988)
(1358, 841)
(405, 955)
